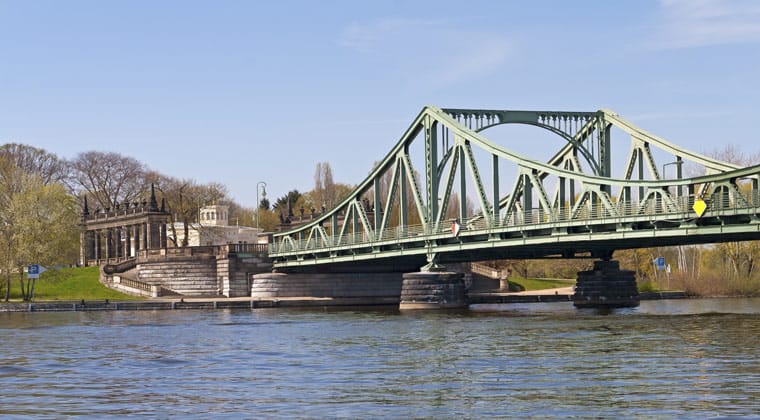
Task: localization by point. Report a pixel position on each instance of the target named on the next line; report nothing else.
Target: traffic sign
(699, 207)
(33, 271)
(659, 262)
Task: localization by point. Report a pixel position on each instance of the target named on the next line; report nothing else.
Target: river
(679, 358)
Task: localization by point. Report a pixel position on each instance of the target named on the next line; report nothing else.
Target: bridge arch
(576, 144)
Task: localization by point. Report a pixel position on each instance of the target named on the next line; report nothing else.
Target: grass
(541, 284)
(648, 287)
(70, 284)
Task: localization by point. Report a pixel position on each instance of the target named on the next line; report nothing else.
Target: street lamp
(677, 162)
(263, 186)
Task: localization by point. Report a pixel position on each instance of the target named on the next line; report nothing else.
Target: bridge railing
(676, 208)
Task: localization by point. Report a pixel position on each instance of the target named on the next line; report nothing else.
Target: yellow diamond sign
(699, 207)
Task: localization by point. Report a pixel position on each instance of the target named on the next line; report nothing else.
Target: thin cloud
(428, 51)
(373, 36)
(697, 23)
(479, 60)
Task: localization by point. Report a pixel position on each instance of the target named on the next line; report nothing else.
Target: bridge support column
(606, 286)
(334, 288)
(433, 290)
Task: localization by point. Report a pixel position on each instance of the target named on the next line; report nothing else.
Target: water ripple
(665, 359)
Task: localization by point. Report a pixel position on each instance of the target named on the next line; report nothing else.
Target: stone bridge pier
(606, 286)
(433, 290)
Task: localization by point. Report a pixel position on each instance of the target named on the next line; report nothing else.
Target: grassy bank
(540, 284)
(70, 284)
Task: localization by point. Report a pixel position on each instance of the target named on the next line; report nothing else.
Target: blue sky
(242, 92)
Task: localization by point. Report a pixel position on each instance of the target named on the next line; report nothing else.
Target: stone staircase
(195, 276)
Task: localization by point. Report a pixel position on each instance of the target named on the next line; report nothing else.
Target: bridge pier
(606, 286)
(433, 290)
(338, 288)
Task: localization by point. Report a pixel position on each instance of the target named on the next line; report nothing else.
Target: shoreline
(214, 303)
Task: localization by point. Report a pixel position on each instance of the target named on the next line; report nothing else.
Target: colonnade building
(122, 232)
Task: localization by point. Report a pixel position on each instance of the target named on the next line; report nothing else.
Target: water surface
(680, 358)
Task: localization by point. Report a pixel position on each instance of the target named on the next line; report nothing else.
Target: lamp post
(263, 186)
(677, 162)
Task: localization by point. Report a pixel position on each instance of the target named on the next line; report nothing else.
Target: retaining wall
(343, 285)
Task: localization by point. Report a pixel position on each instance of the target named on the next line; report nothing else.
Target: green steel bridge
(469, 199)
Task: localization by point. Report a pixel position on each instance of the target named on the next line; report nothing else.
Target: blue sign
(659, 262)
(33, 271)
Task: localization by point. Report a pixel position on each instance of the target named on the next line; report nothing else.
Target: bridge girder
(411, 218)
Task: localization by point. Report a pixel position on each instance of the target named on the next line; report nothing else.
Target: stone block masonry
(383, 286)
(188, 276)
(192, 271)
(606, 286)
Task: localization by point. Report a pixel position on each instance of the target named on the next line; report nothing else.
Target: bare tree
(183, 200)
(740, 257)
(323, 193)
(109, 178)
(36, 161)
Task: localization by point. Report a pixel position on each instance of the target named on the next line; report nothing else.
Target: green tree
(291, 199)
(38, 224)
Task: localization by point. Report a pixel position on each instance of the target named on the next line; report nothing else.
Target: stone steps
(196, 277)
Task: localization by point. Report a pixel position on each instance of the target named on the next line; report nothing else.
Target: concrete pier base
(433, 290)
(384, 288)
(606, 286)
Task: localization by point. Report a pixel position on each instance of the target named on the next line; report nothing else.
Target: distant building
(214, 229)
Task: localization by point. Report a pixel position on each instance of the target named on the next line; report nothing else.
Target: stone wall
(224, 270)
(235, 273)
(343, 285)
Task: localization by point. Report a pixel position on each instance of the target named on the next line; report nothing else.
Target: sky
(242, 92)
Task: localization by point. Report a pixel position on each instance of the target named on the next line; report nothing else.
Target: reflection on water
(681, 358)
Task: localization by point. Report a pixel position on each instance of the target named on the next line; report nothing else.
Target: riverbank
(192, 303)
(552, 295)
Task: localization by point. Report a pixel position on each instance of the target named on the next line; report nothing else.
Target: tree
(239, 215)
(292, 199)
(323, 193)
(38, 224)
(36, 161)
(268, 220)
(183, 200)
(740, 257)
(109, 178)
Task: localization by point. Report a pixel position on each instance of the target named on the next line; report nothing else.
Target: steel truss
(553, 209)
